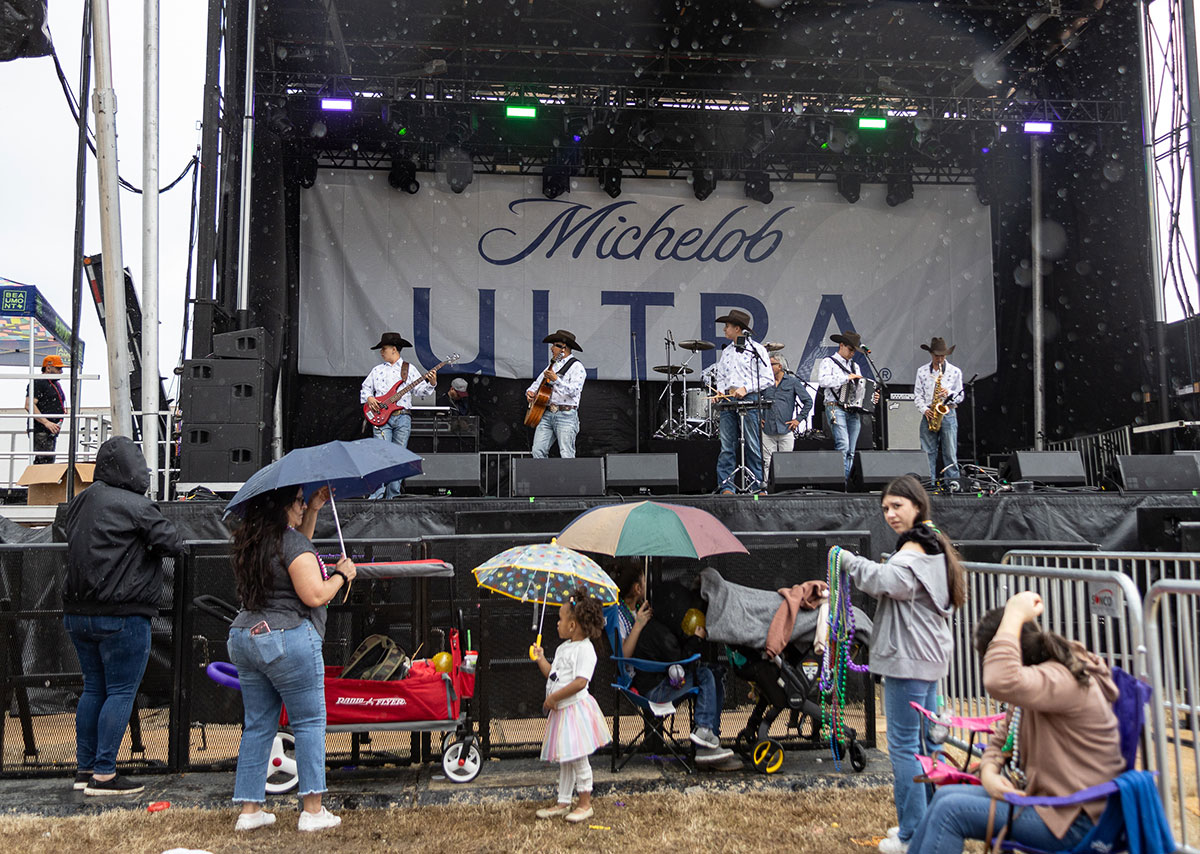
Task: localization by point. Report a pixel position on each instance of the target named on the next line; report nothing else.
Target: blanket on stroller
(741, 616)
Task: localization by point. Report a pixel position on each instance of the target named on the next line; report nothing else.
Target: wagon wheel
(768, 756)
(281, 766)
(462, 761)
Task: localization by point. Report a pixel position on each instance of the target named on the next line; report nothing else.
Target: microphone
(671, 338)
(865, 349)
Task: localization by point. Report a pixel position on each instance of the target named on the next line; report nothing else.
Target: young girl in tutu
(576, 727)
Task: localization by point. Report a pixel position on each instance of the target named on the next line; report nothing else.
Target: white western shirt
(831, 377)
(742, 369)
(569, 387)
(383, 376)
(952, 385)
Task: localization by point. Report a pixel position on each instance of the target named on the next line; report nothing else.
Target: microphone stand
(758, 408)
(974, 451)
(637, 400)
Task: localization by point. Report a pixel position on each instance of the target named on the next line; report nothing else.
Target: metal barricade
(1172, 632)
(1098, 450)
(1144, 568)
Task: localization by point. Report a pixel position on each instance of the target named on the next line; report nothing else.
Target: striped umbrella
(651, 529)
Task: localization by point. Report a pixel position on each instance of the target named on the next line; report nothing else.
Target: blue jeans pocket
(269, 646)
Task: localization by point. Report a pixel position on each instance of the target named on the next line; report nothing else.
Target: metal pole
(1036, 296)
(150, 380)
(243, 292)
(208, 170)
(85, 82)
(1187, 9)
(104, 103)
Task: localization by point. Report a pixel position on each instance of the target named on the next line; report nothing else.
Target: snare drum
(697, 406)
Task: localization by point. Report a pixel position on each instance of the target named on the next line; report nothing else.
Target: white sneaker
(893, 832)
(254, 820)
(322, 820)
(893, 845)
(705, 737)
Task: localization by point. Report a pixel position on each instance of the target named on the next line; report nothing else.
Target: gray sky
(37, 170)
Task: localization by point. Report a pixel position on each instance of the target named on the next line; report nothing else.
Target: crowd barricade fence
(1144, 568)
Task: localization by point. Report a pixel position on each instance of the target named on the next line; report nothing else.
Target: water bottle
(939, 727)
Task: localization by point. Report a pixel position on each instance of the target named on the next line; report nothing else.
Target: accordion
(857, 394)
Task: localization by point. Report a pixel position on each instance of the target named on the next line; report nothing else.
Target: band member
(46, 401)
(782, 420)
(743, 371)
(458, 398)
(379, 382)
(566, 376)
(949, 394)
(836, 371)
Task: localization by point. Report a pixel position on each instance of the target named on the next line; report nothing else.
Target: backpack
(377, 657)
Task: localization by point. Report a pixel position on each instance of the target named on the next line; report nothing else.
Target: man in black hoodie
(116, 539)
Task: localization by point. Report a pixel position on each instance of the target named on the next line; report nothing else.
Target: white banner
(490, 272)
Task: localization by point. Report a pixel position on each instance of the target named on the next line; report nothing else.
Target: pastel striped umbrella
(650, 529)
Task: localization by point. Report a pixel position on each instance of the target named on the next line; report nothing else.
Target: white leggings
(577, 775)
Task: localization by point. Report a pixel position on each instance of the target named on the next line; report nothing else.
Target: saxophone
(938, 405)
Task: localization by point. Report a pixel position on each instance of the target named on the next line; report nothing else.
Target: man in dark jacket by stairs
(116, 539)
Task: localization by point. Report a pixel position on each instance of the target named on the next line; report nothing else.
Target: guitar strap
(566, 366)
(404, 373)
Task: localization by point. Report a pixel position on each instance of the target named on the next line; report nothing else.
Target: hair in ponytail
(1037, 646)
(907, 486)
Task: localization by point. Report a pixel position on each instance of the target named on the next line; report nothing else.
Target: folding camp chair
(937, 768)
(657, 719)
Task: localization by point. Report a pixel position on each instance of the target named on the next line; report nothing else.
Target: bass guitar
(388, 403)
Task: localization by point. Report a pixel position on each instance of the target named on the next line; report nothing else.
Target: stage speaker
(813, 469)
(1159, 472)
(1053, 468)
(554, 476)
(642, 474)
(220, 452)
(446, 474)
(878, 468)
(254, 343)
(231, 390)
(1160, 529)
(903, 422)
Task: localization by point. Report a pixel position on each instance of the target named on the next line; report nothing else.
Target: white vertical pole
(104, 104)
(1037, 297)
(150, 383)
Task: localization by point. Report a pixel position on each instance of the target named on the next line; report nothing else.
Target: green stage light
(872, 123)
(517, 111)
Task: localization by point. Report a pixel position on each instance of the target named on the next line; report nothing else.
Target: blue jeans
(727, 460)
(396, 431)
(560, 426)
(112, 656)
(904, 739)
(844, 425)
(280, 668)
(947, 440)
(709, 701)
(960, 812)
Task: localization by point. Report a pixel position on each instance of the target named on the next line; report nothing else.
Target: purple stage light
(1039, 127)
(342, 104)
(984, 150)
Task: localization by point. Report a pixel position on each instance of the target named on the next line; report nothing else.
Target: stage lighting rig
(758, 187)
(459, 168)
(610, 181)
(306, 172)
(899, 189)
(556, 180)
(704, 181)
(403, 176)
(850, 186)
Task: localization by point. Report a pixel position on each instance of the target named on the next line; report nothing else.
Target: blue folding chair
(659, 726)
(1133, 819)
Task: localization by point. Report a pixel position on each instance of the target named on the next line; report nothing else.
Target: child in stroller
(740, 617)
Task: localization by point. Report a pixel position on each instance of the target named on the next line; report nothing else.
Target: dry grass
(820, 821)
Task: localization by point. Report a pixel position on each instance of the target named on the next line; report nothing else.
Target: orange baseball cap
(52, 362)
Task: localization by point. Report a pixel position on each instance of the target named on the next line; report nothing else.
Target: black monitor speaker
(446, 474)
(807, 469)
(558, 477)
(1159, 472)
(1160, 528)
(1052, 468)
(642, 474)
(879, 468)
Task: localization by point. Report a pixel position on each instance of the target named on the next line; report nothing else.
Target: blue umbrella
(349, 468)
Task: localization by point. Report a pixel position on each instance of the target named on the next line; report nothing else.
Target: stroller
(739, 617)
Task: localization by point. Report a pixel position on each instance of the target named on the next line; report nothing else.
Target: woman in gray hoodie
(918, 589)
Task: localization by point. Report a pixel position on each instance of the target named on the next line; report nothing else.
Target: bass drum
(697, 406)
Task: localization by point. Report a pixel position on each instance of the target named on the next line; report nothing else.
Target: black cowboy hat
(851, 339)
(738, 318)
(392, 339)
(937, 347)
(562, 336)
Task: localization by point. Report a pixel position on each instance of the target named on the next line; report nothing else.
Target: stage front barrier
(1145, 568)
(1098, 450)
(1172, 609)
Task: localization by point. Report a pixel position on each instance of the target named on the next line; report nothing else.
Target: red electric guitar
(388, 404)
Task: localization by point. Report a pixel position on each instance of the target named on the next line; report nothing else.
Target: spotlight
(899, 189)
(556, 180)
(983, 186)
(759, 136)
(610, 181)
(279, 123)
(459, 168)
(758, 187)
(1039, 127)
(342, 105)
(643, 132)
(704, 181)
(850, 186)
(403, 176)
(578, 126)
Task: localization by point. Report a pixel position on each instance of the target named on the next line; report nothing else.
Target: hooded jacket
(116, 539)
(911, 638)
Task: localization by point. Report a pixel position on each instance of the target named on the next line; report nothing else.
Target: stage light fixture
(459, 168)
(645, 134)
(1039, 127)
(403, 176)
(610, 181)
(704, 181)
(899, 189)
(520, 111)
(872, 123)
(556, 180)
(341, 105)
(759, 135)
(578, 126)
(758, 187)
(850, 186)
(306, 172)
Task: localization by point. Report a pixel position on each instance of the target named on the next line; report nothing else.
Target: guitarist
(379, 382)
(565, 378)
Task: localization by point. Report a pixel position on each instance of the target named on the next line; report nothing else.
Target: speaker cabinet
(807, 469)
(231, 390)
(878, 468)
(220, 452)
(642, 474)
(254, 343)
(903, 422)
(1159, 472)
(1053, 468)
(446, 474)
(558, 477)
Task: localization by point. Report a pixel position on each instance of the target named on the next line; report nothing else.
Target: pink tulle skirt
(575, 731)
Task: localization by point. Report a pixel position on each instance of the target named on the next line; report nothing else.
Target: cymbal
(696, 346)
(672, 369)
(774, 346)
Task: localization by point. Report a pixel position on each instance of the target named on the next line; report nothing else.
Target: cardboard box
(48, 483)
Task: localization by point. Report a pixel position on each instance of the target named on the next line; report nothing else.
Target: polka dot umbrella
(544, 573)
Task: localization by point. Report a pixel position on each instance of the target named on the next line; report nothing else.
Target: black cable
(187, 279)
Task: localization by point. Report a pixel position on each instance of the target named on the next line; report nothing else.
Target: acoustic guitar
(537, 406)
(388, 403)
